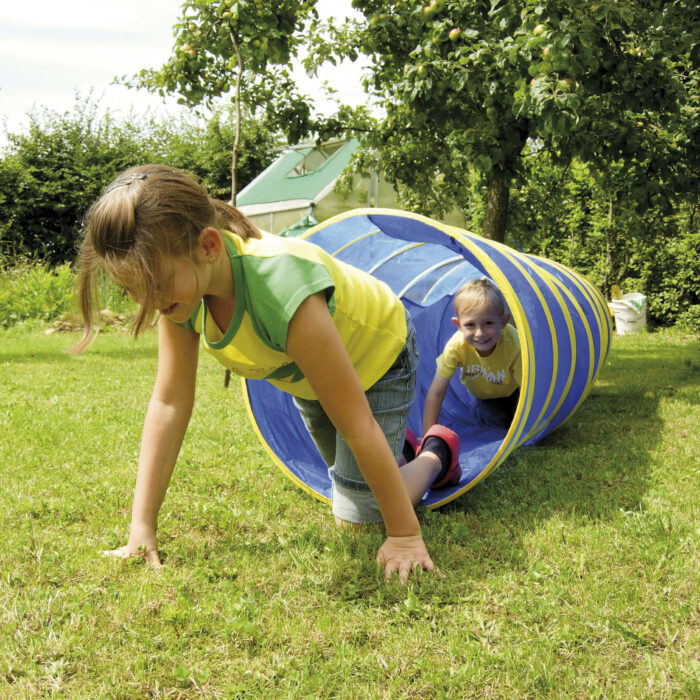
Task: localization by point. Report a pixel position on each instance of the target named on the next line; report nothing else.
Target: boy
(485, 347)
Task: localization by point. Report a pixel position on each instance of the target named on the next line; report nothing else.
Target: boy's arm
(164, 428)
(314, 344)
(433, 401)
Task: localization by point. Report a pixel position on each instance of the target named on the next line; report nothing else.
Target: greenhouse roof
(303, 173)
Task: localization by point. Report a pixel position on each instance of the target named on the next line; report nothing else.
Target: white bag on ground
(630, 313)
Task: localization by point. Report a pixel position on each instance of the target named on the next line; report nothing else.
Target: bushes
(35, 290)
(589, 222)
(50, 175)
(53, 172)
(689, 320)
(31, 290)
(574, 215)
(205, 149)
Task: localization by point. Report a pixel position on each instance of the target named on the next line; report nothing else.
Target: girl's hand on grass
(142, 544)
(403, 555)
(127, 551)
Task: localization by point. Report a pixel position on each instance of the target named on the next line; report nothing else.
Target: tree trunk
(496, 217)
(237, 139)
(608, 246)
(234, 156)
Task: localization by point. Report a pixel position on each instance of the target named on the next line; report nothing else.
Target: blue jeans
(497, 412)
(390, 399)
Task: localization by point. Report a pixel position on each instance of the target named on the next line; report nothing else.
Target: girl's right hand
(142, 544)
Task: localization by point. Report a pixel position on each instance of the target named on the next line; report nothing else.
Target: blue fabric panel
(407, 229)
(594, 308)
(341, 233)
(581, 367)
(279, 422)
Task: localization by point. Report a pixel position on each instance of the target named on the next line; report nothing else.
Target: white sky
(49, 50)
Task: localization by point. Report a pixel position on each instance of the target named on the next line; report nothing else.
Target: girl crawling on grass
(272, 308)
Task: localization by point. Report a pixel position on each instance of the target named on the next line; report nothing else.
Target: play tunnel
(562, 320)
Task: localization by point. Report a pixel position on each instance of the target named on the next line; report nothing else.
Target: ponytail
(230, 218)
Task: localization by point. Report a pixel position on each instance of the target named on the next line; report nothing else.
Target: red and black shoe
(451, 473)
(410, 448)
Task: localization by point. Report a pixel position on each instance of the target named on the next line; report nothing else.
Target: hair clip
(125, 181)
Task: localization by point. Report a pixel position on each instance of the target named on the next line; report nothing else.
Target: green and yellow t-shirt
(271, 277)
(492, 377)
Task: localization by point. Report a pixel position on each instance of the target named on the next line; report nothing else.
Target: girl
(267, 307)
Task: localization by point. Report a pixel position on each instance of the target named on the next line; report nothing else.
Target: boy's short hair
(479, 293)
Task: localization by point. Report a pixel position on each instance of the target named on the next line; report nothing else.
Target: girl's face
(180, 293)
(481, 327)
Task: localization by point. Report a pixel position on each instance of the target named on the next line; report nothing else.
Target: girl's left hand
(403, 555)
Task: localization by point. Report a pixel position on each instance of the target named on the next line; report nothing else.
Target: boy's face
(481, 327)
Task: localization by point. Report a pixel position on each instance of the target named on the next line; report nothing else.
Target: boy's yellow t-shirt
(272, 276)
(492, 377)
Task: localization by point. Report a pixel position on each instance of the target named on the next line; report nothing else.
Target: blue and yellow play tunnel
(563, 322)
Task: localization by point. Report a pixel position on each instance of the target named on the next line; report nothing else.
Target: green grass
(571, 572)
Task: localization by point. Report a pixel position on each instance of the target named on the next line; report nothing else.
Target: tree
(203, 147)
(487, 84)
(243, 48)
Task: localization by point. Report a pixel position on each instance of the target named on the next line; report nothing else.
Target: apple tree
(241, 49)
(487, 84)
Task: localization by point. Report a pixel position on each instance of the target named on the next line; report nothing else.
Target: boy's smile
(481, 328)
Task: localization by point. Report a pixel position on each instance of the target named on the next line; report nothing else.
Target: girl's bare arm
(164, 428)
(315, 345)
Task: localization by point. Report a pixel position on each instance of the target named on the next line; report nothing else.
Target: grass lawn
(571, 572)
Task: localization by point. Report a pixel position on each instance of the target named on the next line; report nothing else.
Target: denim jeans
(390, 399)
(497, 412)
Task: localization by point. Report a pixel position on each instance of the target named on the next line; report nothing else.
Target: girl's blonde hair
(479, 293)
(148, 213)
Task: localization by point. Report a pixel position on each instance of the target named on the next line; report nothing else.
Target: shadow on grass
(62, 357)
(593, 466)
(56, 351)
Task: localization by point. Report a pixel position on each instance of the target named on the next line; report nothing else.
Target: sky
(50, 50)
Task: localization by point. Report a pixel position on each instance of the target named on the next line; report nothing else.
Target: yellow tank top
(272, 276)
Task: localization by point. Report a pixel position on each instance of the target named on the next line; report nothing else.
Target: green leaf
(181, 673)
